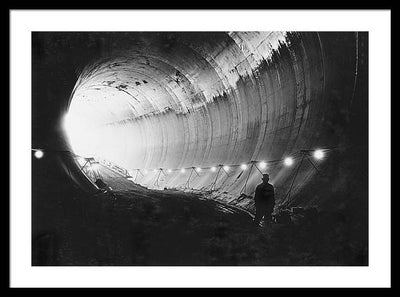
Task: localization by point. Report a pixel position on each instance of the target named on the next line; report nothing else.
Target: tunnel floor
(137, 226)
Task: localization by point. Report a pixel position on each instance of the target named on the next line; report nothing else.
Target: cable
(312, 163)
(291, 186)
(188, 180)
(245, 184)
(156, 181)
(212, 186)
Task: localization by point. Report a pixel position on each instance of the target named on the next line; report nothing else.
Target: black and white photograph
(200, 148)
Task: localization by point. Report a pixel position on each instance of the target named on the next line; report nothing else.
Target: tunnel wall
(181, 100)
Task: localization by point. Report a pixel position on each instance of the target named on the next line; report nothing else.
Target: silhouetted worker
(264, 200)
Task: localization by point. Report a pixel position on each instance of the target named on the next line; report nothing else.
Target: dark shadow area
(138, 226)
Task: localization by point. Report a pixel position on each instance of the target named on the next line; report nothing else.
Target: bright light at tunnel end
(75, 132)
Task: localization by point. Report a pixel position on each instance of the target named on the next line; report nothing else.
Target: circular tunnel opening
(173, 108)
(209, 113)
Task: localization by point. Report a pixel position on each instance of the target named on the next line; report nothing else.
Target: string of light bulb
(288, 161)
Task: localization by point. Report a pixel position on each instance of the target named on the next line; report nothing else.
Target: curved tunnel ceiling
(176, 100)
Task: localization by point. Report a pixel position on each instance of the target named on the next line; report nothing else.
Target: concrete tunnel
(170, 100)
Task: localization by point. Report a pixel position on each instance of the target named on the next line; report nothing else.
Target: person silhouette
(264, 199)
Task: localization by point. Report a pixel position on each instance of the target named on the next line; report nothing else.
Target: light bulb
(288, 161)
(38, 154)
(318, 154)
(263, 165)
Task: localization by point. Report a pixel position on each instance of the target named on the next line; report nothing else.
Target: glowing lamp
(38, 154)
(318, 154)
(288, 161)
(263, 165)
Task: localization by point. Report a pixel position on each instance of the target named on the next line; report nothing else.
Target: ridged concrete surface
(175, 100)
